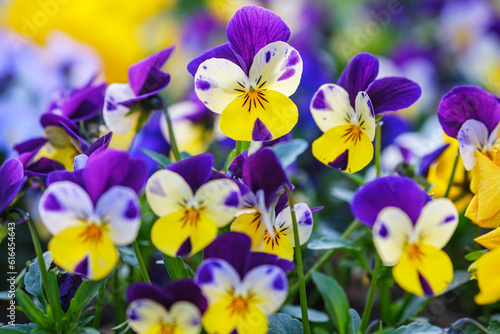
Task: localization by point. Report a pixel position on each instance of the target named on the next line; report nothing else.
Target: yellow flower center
(272, 238)
(167, 329)
(92, 234)
(239, 306)
(353, 133)
(254, 98)
(414, 252)
(190, 217)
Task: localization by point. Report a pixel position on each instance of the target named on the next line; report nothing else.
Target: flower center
(353, 133)
(239, 306)
(254, 98)
(414, 252)
(272, 238)
(190, 217)
(167, 329)
(92, 234)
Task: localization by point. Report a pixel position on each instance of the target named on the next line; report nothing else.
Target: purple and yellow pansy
(249, 79)
(409, 231)
(346, 112)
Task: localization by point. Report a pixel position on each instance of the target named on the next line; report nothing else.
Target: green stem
(98, 307)
(371, 295)
(323, 259)
(385, 301)
(450, 182)
(138, 255)
(173, 142)
(467, 321)
(38, 250)
(239, 147)
(298, 261)
(404, 305)
(117, 299)
(378, 147)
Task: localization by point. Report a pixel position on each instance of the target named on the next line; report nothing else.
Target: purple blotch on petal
(232, 200)
(293, 59)
(133, 315)
(449, 219)
(288, 73)
(260, 132)
(202, 84)
(306, 218)
(383, 231)
(185, 248)
(51, 203)
(319, 100)
(131, 211)
(268, 56)
(278, 283)
(425, 285)
(82, 268)
(341, 161)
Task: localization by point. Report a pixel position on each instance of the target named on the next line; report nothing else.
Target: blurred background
(49, 46)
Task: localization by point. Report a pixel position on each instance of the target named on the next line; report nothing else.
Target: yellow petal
(250, 224)
(423, 271)
(280, 246)
(254, 322)
(488, 278)
(490, 240)
(168, 233)
(218, 318)
(203, 233)
(103, 258)
(344, 147)
(259, 116)
(67, 249)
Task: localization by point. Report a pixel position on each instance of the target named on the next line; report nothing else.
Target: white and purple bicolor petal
(116, 109)
(11, 180)
(390, 191)
(464, 103)
(304, 218)
(473, 136)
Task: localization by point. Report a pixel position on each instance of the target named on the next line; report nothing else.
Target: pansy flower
(266, 217)
(91, 211)
(11, 180)
(248, 80)
(191, 206)
(122, 108)
(346, 112)
(175, 308)
(242, 287)
(409, 231)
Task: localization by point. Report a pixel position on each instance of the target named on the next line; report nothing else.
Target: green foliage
(280, 323)
(175, 267)
(288, 152)
(161, 159)
(314, 315)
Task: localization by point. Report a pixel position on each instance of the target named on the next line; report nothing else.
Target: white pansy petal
(143, 314)
(330, 107)
(166, 192)
(187, 317)
(268, 286)
(219, 200)
(472, 136)
(283, 223)
(120, 210)
(114, 113)
(277, 66)
(437, 222)
(216, 279)
(365, 114)
(392, 232)
(218, 82)
(64, 204)
(493, 136)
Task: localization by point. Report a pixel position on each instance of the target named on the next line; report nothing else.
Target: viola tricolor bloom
(346, 112)
(145, 79)
(248, 80)
(265, 217)
(191, 206)
(242, 287)
(91, 211)
(174, 309)
(409, 231)
(471, 115)
(11, 180)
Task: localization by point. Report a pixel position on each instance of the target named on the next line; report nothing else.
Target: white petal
(493, 137)
(392, 232)
(217, 279)
(303, 214)
(142, 314)
(64, 204)
(437, 222)
(219, 82)
(472, 136)
(365, 114)
(268, 285)
(186, 316)
(166, 192)
(120, 209)
(115, 114)
(330, 107)
(219, 200)
(277, 66)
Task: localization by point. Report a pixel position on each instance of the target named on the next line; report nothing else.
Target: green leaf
(335, 299)
(473, 256)
(161, 159)
(334, 242)
(296, 312)
(355, 321)
(494, 327)
(15, 329)
(418, 328)
(54, 299)
(185, 155)
(342, 194)
(31, 310)
(86, 330)
(378, 117)
(280, 323)
(33, 278)
(289, 151)
(175, 267)
(85, 293)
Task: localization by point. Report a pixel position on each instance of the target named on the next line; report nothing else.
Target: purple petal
(258, 259)
(187, 290)
(263, 170)
(64, 175)
(428, 159)
(393, 94)
(468, 102)
(84, 103)
(111, 168)
(221, 51)
(68, 284)
(400, 192)
(195, 170)
(146, 76)
(99, 145)
(42, 167)
(234, 248)
(11, 180)
(148, 291)
(260, 132)
(252, 28)
(360, 72)
(56, 120)
(30, 145)
(235, 169)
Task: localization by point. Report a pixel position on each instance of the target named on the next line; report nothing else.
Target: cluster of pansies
(148, 200)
